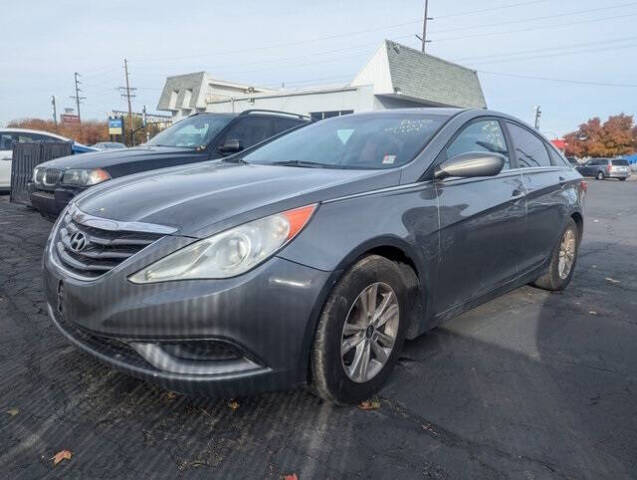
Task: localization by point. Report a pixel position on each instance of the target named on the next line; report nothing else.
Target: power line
(127, 94)
(77, 97)
(552, 49)
(562, 54)
(502, 7)
(545, 17)
(55, 115)
(330, 37)
(562, 80)
(570, 24)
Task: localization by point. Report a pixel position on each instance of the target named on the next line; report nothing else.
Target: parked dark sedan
(198, 138)
(313, 257)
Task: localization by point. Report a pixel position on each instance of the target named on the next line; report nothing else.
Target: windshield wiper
(171, 146)
(303, 163)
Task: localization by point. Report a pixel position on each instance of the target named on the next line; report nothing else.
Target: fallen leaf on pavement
(612, 280)
(13, 411)
(233, 404)
(61, 455)
(593, 312)
(369, 405)
(291, 476)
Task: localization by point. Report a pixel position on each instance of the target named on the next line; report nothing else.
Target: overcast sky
(326, 42)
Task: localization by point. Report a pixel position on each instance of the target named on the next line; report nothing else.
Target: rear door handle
(517, 193)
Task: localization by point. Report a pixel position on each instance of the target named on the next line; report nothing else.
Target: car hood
(209, 197)
(109, 158)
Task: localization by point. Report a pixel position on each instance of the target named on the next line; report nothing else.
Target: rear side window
(480, 136)
(530, 151)
(620, 163)
(557, 158)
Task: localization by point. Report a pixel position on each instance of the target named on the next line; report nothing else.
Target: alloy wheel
(369, 332)
(567, 254)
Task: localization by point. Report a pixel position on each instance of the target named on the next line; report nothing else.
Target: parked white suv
(10, 135)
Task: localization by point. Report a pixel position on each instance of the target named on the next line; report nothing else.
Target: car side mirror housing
(471, 164)
(232, 145)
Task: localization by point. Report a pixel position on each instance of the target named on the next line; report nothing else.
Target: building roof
(400, 71)
(395, 72)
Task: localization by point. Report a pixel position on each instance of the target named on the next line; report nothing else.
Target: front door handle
(517, 193)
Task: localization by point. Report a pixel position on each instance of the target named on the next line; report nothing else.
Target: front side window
(193, 132)
(529, 149)
(357, 142)
(481, 136)
(283, 124)
(249, 131)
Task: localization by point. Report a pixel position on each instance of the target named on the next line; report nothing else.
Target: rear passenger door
(481, 221)
(544, 180)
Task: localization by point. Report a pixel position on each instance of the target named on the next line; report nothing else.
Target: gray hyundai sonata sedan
(312, 258)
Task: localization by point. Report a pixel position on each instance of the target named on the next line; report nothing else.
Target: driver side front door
(482, 222)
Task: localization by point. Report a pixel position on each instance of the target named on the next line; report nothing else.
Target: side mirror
(232, 145)
(471, 164)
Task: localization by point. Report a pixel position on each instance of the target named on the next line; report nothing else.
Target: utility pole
(127, 89)
(538, 114)
(77, 97)
(423, 39)
(55, 115)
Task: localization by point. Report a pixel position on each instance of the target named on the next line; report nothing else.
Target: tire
(334, 374)
(600, 176)
(623, 179)
(553, 279)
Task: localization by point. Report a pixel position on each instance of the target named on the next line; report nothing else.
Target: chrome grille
(52, 176)
(90, 252)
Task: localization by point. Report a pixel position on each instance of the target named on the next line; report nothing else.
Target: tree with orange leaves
(616, 136)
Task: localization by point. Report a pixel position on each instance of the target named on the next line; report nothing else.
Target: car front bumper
(266, 316)
(50, 203)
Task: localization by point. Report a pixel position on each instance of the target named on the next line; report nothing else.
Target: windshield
(192, 132)
(356, 141)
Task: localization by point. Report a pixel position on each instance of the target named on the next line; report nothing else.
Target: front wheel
(563, 258)
(600, 176)
(360, 332)
(623, 179)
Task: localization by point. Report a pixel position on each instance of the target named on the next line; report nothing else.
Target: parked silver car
(602, 168)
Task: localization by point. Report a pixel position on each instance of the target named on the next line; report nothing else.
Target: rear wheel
(361, 332)
(600, 176)
(623, 179)
(560, 271)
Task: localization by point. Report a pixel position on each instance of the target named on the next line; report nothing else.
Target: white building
(396, 76)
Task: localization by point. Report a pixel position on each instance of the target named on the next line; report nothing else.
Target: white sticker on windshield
(389, 159)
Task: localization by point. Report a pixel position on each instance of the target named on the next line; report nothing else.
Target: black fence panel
(26, 156)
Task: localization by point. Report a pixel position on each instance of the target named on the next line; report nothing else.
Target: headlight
(38, 174)
(230, 253)
(84, 176)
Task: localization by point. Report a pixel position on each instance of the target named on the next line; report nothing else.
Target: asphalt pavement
(532, 385)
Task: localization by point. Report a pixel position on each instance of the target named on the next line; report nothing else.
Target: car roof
(39, 132)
